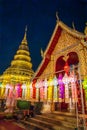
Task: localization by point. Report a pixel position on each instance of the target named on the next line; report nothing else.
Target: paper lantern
(45, 85)
(85, 83)
(37, 85)
(2, 90)
(27, 93)
(85, 86)
(31, 90)
(61, 88)
(55, 81)
(66, 81)
(50, 89)
(55, 92)
(73, 80)
(7, 89)
(37, 90)
(34, 88)
(66, 68)
(10, 91)
(23, 90)
(50, 81)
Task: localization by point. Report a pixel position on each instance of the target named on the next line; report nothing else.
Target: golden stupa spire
(24, 41)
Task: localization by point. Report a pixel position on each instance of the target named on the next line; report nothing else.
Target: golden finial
(57, 16)
(42, 53)
(26, 29)
(25, 36)
(73, 25)
(84, 40)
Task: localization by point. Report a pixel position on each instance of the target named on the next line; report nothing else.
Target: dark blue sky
(40, 16)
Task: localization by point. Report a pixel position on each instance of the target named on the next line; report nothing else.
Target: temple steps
(63, 116)
(51, 121)
(58, 120)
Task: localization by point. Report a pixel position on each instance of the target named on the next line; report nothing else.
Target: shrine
(60, 81)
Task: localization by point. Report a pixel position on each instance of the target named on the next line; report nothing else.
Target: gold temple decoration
(73, 25)
(57, 17)
(20, 70)
(84, 40)
(42, 53)
(66, 57)
(85, 31)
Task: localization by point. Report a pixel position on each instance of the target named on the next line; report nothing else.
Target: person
(30, 113)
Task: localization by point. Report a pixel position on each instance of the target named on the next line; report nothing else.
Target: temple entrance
(68, 99)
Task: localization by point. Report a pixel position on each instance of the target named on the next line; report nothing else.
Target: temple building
(60, 81)
(20, 71)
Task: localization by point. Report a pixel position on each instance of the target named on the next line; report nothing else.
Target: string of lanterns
(56, 88)
(48, 89)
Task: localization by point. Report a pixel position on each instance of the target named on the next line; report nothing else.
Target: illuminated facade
(66, 59)
(60, 81)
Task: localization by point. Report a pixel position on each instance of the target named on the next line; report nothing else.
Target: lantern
(34, 88)
(45, 84)
(10, 91)
(6, 90)
(55, 92)
(2, 90)
(73, 86)
(41, 90)
(28, 91)
(37, 90)
(23, 90)
(85, 83)
(61, 88)
(85, 86)
(66, 68)
(31, 90)
(66, 82)
(50, 88)
(27, 94)
(55, 81)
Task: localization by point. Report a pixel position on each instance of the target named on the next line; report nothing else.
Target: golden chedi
(20, 70)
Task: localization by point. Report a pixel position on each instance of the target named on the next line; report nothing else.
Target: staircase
(51, 121)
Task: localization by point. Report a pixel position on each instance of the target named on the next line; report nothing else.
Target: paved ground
(9, 125)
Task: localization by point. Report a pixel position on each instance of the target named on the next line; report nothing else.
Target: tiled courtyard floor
(9, 125)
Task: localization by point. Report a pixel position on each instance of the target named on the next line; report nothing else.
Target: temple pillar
(82, 61)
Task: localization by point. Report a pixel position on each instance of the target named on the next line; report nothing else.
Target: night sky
(40, 17)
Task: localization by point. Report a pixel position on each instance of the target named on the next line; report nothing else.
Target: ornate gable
(63, 41)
